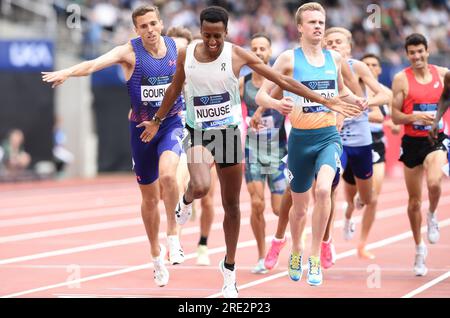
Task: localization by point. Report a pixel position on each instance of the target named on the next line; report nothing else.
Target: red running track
(85, 238)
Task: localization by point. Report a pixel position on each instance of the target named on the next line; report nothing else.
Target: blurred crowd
(381, 34)
(16, 163)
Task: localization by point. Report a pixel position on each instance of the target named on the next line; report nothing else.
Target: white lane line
(381, 214)
(138, 221)
(192, 255)
(211, 251)
(97, 204)
(221, 250)
(71, 230)
(209, 267)
(110, 296)
(430, 284)
(378, 244)
(73, 215)
(139, 239)
(88, 227)
(14, 206)
(127, 241)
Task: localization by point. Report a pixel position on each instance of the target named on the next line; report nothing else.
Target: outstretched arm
(290, 84)
(116, 56)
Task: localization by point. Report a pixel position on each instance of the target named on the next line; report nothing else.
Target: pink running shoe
(327, 254)
(271, 260)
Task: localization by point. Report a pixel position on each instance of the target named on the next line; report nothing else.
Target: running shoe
(202, 256)
(327, 254)
(419, 263)
(432, 228)
(295, 266)
(271, 260)
(229, 289)
(160, 272)
(183, 212)
(314, 271)
(260, 268)
(176, 254)
(349, 229)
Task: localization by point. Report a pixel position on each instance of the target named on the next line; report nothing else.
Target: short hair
(310, 6)
(261, 35)
(371, 55)
(343, 31)
(415, 39)
(214, 14)
(180, 32)
(144, 9)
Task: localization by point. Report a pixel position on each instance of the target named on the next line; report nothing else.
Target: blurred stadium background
(91, 113)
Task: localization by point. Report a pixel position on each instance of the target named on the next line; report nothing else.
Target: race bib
(425, 108)
(153, 89)
(326, 88)
(213, 110)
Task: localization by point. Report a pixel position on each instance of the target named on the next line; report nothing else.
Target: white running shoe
(183, 212)
(419, 264)
(349, 229)
(202, 256)
(176, 254)
(229, 289)
(260, 268)
(160, 272)
(433, 228)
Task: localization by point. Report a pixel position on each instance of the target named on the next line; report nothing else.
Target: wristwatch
(157, 120)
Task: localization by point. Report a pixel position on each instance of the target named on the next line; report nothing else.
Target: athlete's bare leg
(413, 180)
(370, 210)
(257, 221)
(207, 206)
(433, 172)
(150, 214)
(283, 216)
(322, 207)
(168, 163)
(230, 179)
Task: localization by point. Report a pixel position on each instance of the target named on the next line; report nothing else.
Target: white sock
(279, 240)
